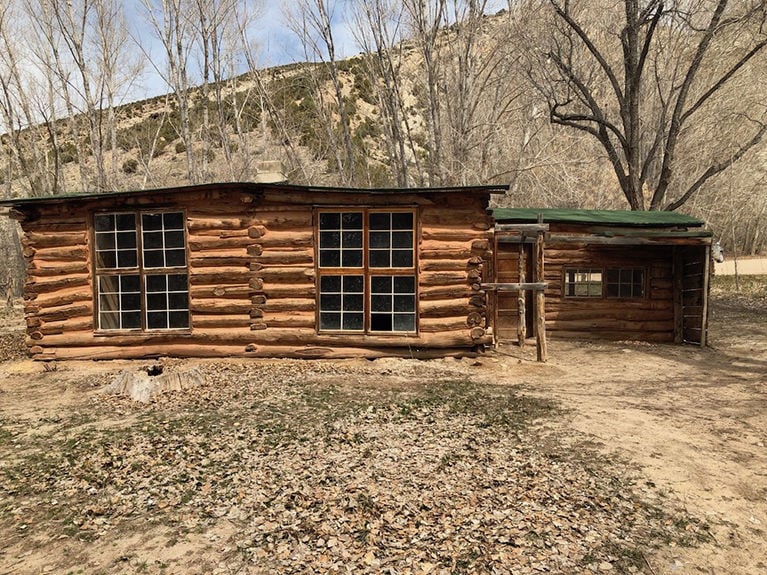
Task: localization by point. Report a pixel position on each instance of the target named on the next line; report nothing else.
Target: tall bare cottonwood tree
(641, 91)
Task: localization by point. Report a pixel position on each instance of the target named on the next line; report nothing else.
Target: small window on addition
(583, 283)
(625, 283)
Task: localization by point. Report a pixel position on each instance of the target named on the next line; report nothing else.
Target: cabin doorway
(514, 311)
(691, 284)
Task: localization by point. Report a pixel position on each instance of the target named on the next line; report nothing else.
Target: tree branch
(717, 168)
(591, 47)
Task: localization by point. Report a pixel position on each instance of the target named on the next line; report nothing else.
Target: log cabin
(257, 270)
(614, 274)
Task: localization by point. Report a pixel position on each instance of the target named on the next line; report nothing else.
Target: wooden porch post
(521, 325)
(540, 300)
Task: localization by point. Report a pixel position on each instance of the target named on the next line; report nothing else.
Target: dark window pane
(612, 290)
(381, 284)
(330, 284)
(330, 221)
(178, 301)
(402, 259)
(330, 302)
(330, 240)
(104, 222)
(130, 301)
(105, 241)
(109, 320)
(126, 221)
(353, 302)
(173, 220)
(379, 259)
(352, 220)
(156, 301)
(106, 260)
(130, 283)
(353, 321)
(380, 221)
(156, 283)
(330, 321)
(351, 239)
(402, 239)
(175, 258)
(402, 221)
(404, 322)
(179, 319)
(380, 303)
(352, 258)
(353, 284)
(126, 240)
(109, 284)
(127, 259)
(404, 303)
(174, 239)
(108, 302)
(330, 259)
(379, 239)
(154, 259)
(151, 222)
(177, 282)
(156, 320)
(380, 322)
(131, 320)
(153, 240)
(404, 284)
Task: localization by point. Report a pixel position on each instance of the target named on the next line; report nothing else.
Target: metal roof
(597, 217)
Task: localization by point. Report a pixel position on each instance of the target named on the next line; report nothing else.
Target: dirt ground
(690, 422)
(694, 421)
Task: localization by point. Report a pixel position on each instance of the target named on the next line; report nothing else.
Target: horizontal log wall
(454, 259)
(650, 318)
(252, 279)
(58, 298)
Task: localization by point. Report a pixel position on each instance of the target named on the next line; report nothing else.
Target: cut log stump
(143, 384)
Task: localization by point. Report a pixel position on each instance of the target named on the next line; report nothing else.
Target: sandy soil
(691, 421)
(694, 421)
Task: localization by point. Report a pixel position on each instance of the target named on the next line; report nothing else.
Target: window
(367, 271)
(141, 271)
(625, 283)
(609, 282)
(583, 283)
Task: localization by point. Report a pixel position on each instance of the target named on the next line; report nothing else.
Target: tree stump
(142, 385)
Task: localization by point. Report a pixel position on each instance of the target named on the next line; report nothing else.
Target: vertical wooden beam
(492, 296)
(521, 323)
(704, 296)
(540, 301)
(678, 293)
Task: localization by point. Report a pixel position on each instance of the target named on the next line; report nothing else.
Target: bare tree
(426, 20)
(641, 92)
(311, 22)
(377, 31)
(21, 98)
(172, 28)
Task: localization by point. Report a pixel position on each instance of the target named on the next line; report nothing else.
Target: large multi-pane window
(367, 271)
(142, 281)
(609, 282)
